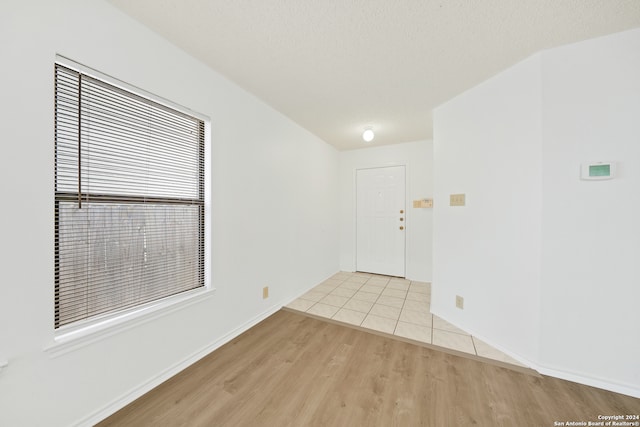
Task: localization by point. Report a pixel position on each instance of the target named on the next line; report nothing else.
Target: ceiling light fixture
(368, 135)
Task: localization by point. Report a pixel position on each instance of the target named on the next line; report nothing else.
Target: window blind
(129, 199)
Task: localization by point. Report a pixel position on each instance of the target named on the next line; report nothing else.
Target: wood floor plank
(293, 370)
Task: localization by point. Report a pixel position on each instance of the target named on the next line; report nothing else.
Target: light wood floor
(294, 370)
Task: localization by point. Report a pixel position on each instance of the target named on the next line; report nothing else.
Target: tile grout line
(396, 325)
(348, 299)
(317, 302)
(374, 303)
(341, 281)
(351, 298)
(369, 312)
(386, 286)
(401, 308)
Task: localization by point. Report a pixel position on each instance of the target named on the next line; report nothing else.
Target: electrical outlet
(459, 302)
(457, 199)
(265, 292)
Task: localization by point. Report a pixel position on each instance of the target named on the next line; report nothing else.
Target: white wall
(487, 146)
(536, 249)
(418, 158)
(591, 230)
(275, 213)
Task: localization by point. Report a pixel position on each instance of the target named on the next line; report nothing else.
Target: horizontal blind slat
(139, 235)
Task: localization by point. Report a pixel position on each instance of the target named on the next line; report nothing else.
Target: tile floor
(391, 305)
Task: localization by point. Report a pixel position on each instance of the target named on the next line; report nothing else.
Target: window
(129, 199)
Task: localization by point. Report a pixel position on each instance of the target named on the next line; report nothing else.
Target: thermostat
(598, 170)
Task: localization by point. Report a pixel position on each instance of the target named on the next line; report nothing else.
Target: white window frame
(83, 332)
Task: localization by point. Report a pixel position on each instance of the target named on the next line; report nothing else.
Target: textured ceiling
(337, 66)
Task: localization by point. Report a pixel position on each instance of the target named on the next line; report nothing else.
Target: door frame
(355, 209)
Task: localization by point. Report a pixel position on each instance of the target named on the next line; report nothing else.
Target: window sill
(77, 337)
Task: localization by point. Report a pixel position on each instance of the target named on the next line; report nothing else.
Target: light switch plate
(424, 203)
(457, 199)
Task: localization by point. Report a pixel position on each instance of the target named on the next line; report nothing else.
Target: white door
(380, 220)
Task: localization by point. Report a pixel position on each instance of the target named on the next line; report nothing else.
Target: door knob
(401, 211)
(401, 228)
(401, 219)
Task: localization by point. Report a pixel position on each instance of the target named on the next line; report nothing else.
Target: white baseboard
(626, 389)
(526, 362)
(563, 374)
(140, 390)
